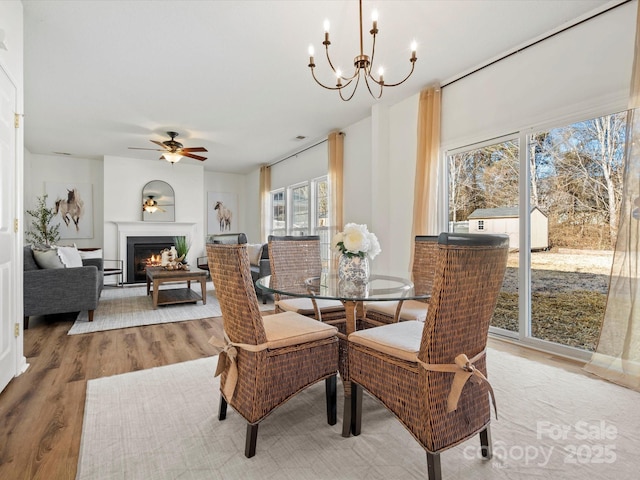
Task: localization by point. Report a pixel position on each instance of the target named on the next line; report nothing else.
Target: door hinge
(16, 330)
(15, 225)
(16, 120)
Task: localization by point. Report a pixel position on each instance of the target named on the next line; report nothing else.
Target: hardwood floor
(41, 411)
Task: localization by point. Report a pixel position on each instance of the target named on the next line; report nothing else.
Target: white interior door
(8, 301)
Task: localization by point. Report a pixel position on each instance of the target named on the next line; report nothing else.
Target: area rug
(132, 307)
(162, 424)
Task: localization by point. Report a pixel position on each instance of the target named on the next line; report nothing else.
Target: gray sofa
(61, 290)
(260, 270)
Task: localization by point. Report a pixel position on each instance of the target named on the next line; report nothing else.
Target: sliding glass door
(558, 199)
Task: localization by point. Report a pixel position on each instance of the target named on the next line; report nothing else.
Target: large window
(558, 200)
(301, 209)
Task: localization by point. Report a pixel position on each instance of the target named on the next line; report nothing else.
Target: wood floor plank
(41, 411)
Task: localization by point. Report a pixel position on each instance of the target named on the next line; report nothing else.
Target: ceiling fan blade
(194, 149)
(152, 149)
(160, 144)
(191, 155)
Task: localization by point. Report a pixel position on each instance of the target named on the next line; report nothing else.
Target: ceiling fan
(151, 205)
(173, 151)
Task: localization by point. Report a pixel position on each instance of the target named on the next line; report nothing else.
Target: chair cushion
(255, 253)
(411, 309)
(289, 328)
(304, 306)
(400, 340)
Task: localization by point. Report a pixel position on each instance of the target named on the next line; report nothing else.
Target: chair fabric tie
(227, 361)
(463, 370)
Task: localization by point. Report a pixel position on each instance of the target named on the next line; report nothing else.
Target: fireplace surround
(150, 229)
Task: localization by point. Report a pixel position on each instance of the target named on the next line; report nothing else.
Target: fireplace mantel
(150, 229)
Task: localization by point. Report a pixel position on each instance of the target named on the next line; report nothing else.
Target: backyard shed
(505, 220)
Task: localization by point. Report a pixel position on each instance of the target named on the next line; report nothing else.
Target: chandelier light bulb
(326, 26)
(374, 15)
(381, 75)
(311, 51)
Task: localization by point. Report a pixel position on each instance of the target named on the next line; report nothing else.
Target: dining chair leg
(434, 472)
(346, 414)
(222, 409)
(252, 438)
(485, 443)
(330, 385)
(356, 408)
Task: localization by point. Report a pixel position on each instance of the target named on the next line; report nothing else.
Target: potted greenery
(182, 248)
(42, 232)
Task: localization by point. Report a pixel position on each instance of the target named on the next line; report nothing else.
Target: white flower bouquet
(356, 241)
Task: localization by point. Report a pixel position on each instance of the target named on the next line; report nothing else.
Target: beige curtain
(424, 197)
(617, 356)
(336, 154)
(265, 188)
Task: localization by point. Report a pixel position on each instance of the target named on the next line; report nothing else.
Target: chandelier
(363, 64)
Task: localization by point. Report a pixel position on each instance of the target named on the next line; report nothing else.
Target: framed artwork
(73, 206)
(222, 212)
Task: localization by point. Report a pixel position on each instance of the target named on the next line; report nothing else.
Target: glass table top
(329, 286)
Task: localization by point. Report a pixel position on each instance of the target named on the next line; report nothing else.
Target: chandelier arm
(366, 80)
(326, 49)
(324, 86)
(353, 91)
(413, 65)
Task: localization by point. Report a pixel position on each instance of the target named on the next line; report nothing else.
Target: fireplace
(139, 253)
(152, 231)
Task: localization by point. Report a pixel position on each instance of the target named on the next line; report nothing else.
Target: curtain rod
(301, 151)
(568, 27)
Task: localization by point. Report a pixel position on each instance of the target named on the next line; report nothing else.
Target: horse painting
(71, 209)
(224, 216)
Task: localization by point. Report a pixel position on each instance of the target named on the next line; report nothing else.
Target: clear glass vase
(354, 269)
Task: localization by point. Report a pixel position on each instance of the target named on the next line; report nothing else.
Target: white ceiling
(232, 76)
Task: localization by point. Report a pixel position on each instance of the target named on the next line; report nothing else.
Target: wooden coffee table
(158, 276)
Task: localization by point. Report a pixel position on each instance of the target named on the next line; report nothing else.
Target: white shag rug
(132, 307)
(162, 424)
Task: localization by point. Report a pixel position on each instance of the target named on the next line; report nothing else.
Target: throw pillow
(70, 257)
(47, 258)
(57, 257)
(255, 253)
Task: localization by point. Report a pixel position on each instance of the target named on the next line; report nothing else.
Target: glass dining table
(327, 286)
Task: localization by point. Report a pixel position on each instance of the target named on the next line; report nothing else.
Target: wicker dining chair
(293, 260)
(425, 250)
(265, 360)
(419, 370)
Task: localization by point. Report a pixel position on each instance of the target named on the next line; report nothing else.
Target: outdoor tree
(42, 231)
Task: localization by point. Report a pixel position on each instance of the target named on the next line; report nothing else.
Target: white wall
(578, 74)
(39, 169)
(124, 179)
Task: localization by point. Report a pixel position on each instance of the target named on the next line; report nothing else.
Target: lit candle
(311, 53)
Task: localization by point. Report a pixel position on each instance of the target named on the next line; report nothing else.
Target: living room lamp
(363, 64)
(172, 157)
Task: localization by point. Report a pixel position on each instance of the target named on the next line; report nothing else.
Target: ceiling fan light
(172, 157)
